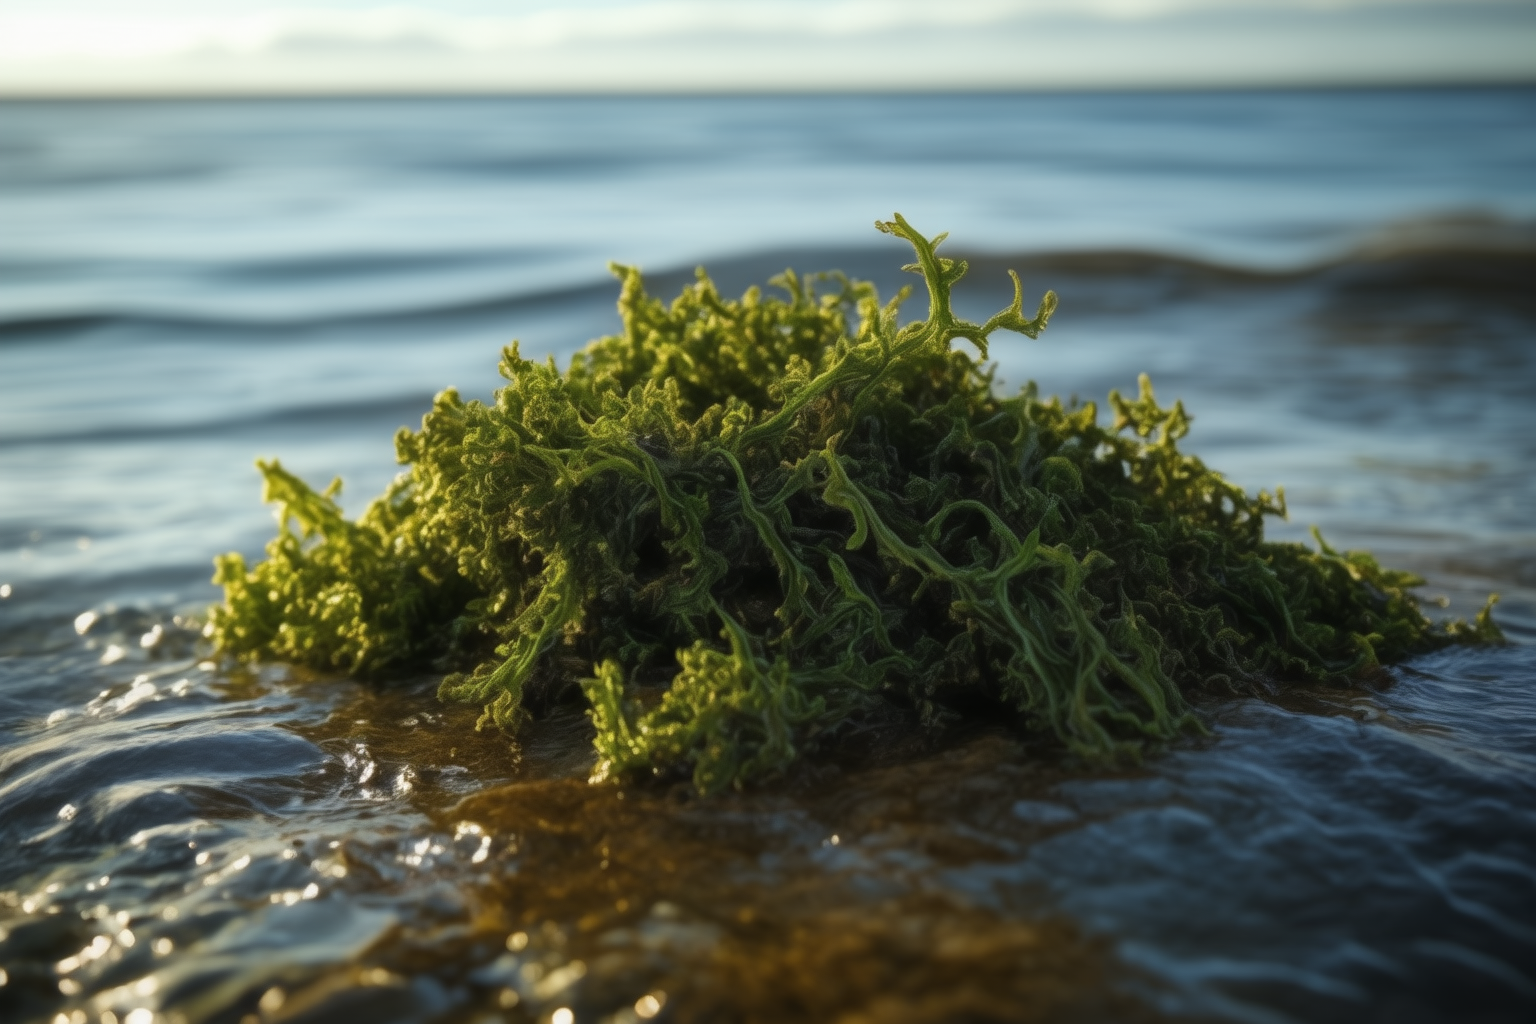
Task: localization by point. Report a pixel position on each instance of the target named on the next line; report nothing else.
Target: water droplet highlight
(650, 1004)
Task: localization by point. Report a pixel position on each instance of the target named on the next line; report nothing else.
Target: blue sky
(212, 46)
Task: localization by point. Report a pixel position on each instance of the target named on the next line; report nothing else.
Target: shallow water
(1346, 311)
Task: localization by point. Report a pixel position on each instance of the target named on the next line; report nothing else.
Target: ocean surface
(1341, 286)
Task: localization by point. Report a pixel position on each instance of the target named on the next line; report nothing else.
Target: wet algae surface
(762, 523)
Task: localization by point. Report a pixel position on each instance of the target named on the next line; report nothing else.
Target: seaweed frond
(743, 524)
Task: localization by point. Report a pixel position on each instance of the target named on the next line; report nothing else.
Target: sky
(74, 47)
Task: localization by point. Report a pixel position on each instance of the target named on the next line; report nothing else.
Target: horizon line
(449, 92)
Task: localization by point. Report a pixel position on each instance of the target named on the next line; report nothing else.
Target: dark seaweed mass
(749, 526)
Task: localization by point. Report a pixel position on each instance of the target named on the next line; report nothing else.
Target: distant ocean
(1341, 286)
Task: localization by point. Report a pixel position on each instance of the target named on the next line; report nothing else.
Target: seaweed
(748, 527)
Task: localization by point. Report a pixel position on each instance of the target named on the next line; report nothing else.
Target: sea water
(1341, 286)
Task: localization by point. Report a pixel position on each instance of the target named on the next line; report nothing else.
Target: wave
(406, 408)
(1482, 256)
(54, 324)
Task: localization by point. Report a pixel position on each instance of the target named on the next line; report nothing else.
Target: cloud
(112, 34)
(220, 45)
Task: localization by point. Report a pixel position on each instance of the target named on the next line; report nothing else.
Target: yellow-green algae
(754, 524)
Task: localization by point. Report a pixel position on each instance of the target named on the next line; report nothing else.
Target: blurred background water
(1341, 286)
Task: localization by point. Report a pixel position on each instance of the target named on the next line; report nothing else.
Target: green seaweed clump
(745, 527)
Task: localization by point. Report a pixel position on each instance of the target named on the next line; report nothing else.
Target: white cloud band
(693, 45)
(150, 36)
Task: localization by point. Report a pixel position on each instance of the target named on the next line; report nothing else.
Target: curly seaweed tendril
(751, 522)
